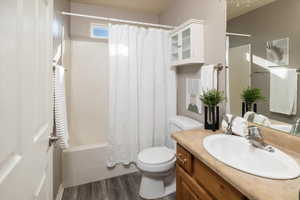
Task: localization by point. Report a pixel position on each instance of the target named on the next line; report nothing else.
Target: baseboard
(60, 192)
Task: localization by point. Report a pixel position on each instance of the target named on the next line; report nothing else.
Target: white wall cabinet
(187, 43)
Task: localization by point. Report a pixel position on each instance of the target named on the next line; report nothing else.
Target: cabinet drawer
(213, 183)
(184, 159)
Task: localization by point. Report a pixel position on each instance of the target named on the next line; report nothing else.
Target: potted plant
(249, 97)
(211, 99)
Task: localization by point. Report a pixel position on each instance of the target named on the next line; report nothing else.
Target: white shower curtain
(142, 90)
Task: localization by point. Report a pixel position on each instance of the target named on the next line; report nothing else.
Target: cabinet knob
(182, 160)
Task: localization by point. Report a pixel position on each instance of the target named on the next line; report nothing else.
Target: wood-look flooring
(119, 188)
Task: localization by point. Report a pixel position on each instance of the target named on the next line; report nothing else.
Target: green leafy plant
(251, 95)
(212, 97)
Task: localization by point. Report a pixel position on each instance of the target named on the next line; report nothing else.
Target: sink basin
(238, 153)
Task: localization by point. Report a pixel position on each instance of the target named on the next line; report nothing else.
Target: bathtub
(87, 163)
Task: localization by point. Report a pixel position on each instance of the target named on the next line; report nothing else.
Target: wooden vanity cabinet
(196, 181)
(188, 188)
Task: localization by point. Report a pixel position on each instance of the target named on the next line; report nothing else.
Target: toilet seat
(156, 159)
(156, 155)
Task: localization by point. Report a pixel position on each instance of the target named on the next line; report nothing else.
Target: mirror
(263, 55)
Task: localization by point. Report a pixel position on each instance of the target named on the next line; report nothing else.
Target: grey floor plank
(99, 191)
(118, 188)
(84, 192)
(70, 193)
(114, 188)
(131, 187)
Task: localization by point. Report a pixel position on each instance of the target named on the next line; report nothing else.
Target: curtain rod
(238, 34)
(117, 20)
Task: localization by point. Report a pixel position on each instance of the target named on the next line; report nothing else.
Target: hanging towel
(208, 78)
(60, 110)
(283, 90)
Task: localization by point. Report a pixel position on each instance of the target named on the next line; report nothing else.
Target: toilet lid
(156, 155)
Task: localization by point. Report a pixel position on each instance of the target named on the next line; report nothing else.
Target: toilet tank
(180, 123)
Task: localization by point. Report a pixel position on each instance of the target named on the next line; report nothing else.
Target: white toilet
(157, 164)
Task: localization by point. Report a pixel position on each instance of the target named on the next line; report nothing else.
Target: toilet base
(154, 187)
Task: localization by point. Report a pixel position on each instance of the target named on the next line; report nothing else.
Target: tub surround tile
(254, 187)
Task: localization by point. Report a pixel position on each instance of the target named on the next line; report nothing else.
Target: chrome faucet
(256, 139)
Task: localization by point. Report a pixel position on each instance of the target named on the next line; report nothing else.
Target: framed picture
(193, 90)
(278, 52)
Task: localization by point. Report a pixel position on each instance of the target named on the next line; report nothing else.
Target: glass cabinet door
(175, 45)
(186, 44)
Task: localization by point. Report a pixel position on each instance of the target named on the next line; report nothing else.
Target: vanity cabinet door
(187, 193)
(187, 188)
(213, 183)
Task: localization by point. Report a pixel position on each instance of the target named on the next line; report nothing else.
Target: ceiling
(244, 7)
(148, 6)
(158, 6)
